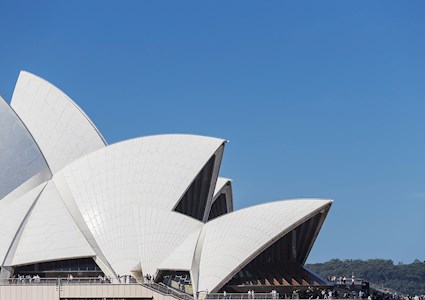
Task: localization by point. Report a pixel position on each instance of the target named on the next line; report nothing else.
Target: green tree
(405, 278)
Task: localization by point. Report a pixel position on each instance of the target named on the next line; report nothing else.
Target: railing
(165, 290)
(27, 281)
(242, 296)
(161, 288)
(377, 287)
(348, 282)
(382, 289)
(63, 281)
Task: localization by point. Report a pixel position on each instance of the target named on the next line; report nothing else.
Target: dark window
(194, 201)
(219, 207)
(82, 267)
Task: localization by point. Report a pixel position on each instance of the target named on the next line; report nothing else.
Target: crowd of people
(123, 279)
(344, 280)
(310, 293)
(36, 279)
(26, 279)
(319, 293)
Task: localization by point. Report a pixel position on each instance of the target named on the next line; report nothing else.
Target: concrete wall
(51, 292)
(109, 291)
(29, 292)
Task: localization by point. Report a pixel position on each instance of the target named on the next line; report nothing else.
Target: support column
(6, 273)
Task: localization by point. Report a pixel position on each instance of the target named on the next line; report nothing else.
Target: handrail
(377, 287)
(28, 281)
(64, 281)
(126, 280)
(160, 287)
(216, 296)
(166, 290)
(383, 289)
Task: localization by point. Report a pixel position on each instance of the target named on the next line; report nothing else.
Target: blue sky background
(318, 98)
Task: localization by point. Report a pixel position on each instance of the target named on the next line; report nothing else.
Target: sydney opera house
(70, 204)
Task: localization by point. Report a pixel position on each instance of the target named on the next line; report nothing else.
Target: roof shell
(234, 239)
(50, 233)
(161, 233)
(221, 183)
(60, 128)
(13, 211)
(182, 257)
(115, 188)
(20, 157)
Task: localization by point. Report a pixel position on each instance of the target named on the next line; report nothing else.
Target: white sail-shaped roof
(141, 203)
(182, 257)
(20, 157)
(60, 128)
(12, 214)
(161, 232)
(221, 183)
(115, 187)
(50, 233)
(234, 239)
(152, 170)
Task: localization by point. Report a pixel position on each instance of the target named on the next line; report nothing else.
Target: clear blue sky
(318, 98)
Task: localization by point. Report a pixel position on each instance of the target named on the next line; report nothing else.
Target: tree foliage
(405, 278)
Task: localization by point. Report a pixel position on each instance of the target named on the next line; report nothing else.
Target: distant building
(152, 207)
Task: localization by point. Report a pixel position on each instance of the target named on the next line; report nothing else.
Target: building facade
(153, 208)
